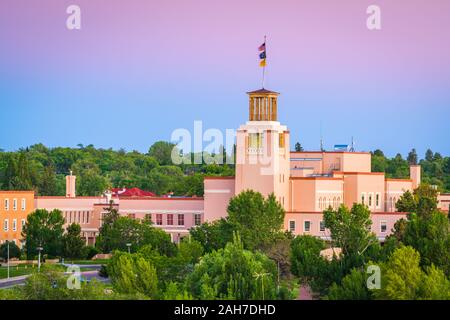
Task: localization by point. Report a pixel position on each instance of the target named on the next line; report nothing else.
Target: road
(86, 275)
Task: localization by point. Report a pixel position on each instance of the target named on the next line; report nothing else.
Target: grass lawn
(16, 271)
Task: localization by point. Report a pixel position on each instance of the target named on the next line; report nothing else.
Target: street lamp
(8, 257)
(129, 247)
(39, 259)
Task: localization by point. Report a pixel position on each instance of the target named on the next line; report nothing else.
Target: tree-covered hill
(43, 169)
(435, 167)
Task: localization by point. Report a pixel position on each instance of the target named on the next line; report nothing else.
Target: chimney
(415, 175)
(70, 186)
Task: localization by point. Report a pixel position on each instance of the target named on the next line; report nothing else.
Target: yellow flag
(262, 63)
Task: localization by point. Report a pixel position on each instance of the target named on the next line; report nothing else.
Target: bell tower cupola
(263, 105)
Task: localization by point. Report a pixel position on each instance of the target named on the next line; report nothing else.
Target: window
(7, 204)
(334, 203)
(132, 216)
(322, 226)
(377, 200)
(383, 226)
(198, 219)
(22, 222)
(159, 219)
(148, 217)
(307, 226)
(24, 204)
(363, 198)
(170, 219)
(255, 140)
(370, 200)
(6, 225)
(281, 140)
(320, 203)
(87, 216)
(14, 226)
(82, 217)
(181, 219)
(291, 225)
(15, 204)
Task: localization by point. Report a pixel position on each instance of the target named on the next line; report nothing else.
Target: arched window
(334, 203)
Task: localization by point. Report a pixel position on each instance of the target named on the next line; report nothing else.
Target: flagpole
(264, 68)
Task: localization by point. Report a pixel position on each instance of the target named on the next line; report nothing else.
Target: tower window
(281, 140)
(255, 140)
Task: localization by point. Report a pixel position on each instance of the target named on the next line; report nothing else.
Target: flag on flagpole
(262, 55)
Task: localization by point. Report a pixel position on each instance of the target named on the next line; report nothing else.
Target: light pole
(129, 248)
(8, 258)
(39, 259)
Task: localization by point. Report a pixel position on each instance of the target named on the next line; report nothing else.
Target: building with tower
(305, 183)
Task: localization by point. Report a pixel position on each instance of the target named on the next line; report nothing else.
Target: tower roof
(262, 91)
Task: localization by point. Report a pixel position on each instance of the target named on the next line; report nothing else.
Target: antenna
(352, 149)
(321, 138)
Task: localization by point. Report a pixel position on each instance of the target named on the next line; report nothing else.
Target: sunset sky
(139, 69)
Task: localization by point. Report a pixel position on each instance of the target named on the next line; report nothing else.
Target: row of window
(14, 224)
(368, 199)
(80, 217)
(15, 204)
(325, 203)
(307, 226)
(255, 140)
(170, 219)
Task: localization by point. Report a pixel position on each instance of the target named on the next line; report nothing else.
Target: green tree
(298, 147)
(406, 203)
(430, 237)
(72, 242)
(350, 229)
(162, 152)
(412, 157)
(403, 279)
(213, 235)
(131, 274)
(305, 256)
(49, 184)
(124, 231)
(353, 287)
(258, 220)
(43, 229)
(429, 155)
(14, 250)
(233, 273)
(90, 182)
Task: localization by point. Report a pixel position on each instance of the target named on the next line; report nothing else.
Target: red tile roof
(133, 192)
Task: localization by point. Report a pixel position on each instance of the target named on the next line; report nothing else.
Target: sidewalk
(12, 279)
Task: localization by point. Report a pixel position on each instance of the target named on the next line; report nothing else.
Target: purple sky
(137, 70)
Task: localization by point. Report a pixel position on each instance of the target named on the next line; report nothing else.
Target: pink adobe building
(305, 183)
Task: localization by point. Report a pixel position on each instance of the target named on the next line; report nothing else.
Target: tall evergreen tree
(412, 157)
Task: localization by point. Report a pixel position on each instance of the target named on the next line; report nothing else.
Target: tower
(262, 149)
(71, 185)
